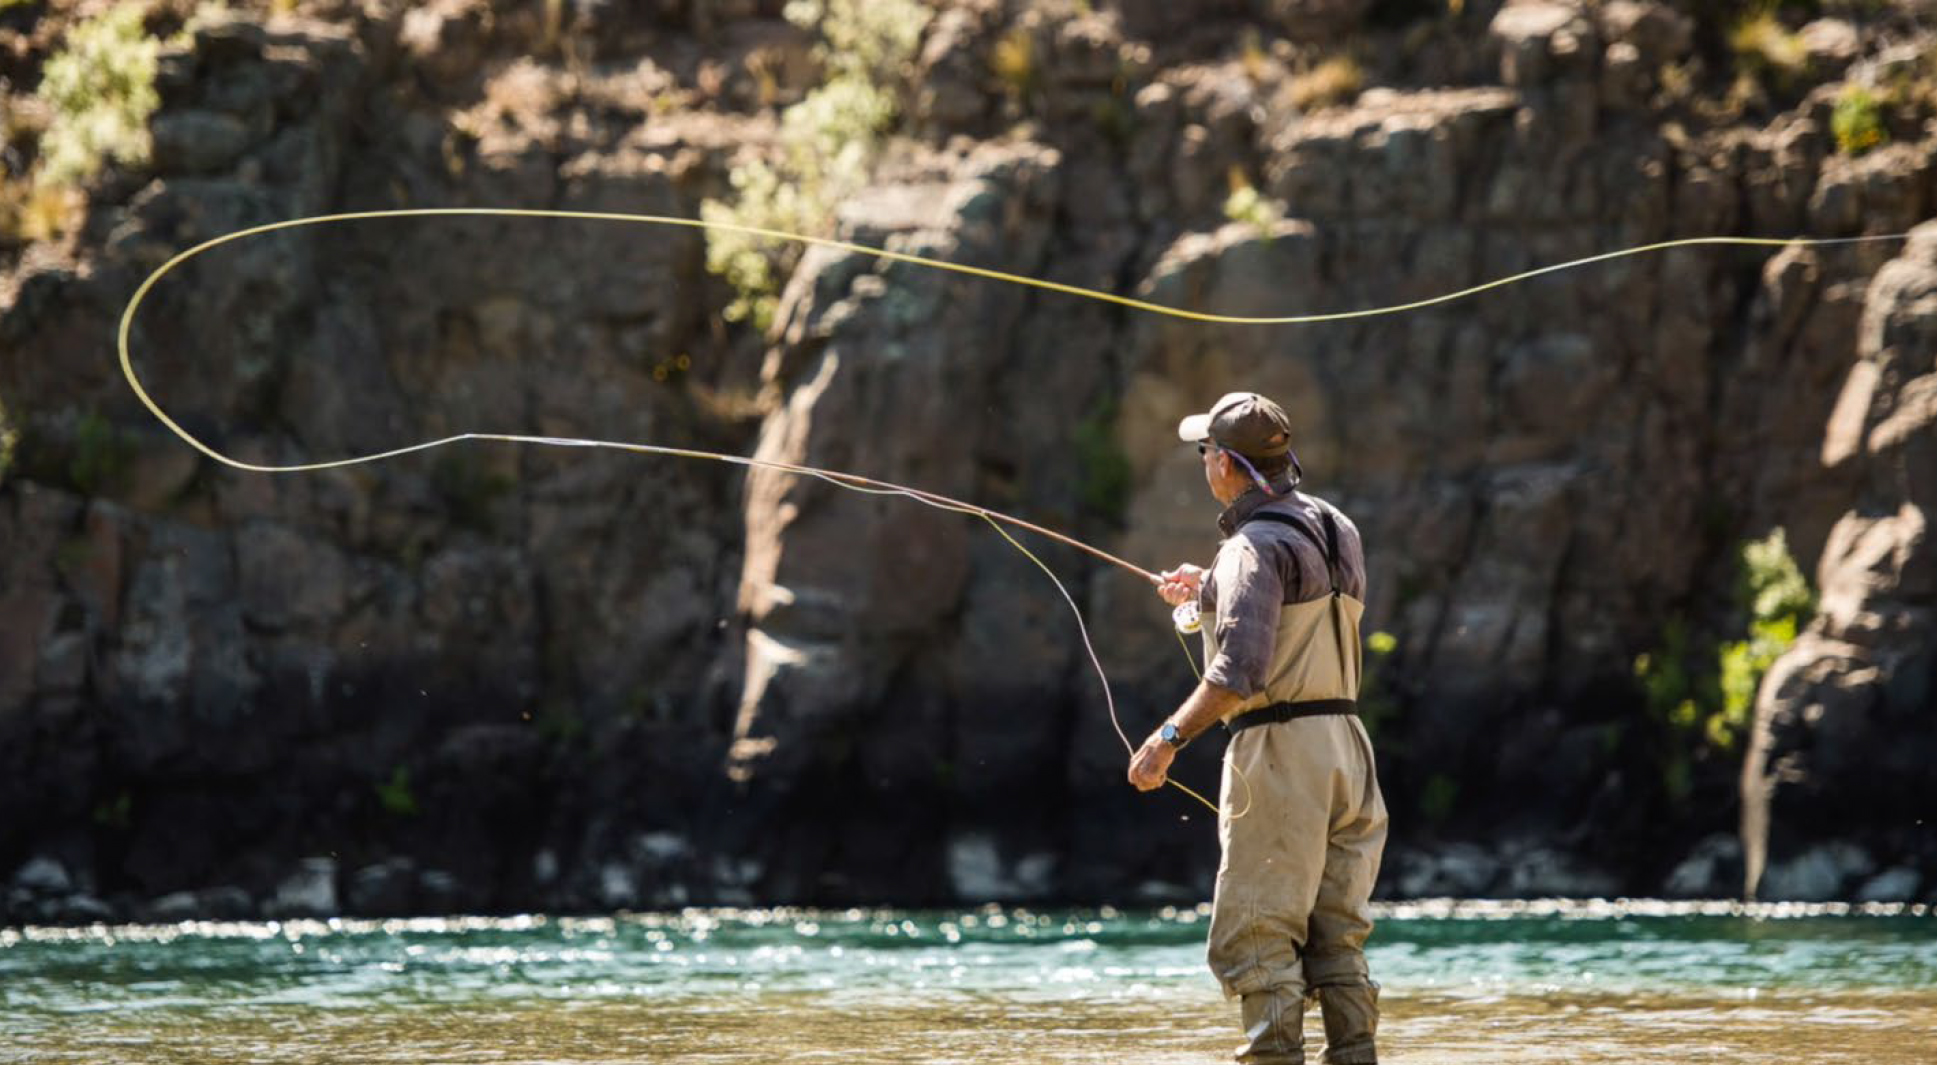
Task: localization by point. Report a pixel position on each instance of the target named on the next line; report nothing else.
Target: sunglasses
(1205, 449)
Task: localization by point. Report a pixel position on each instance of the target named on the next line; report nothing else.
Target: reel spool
(1187, 617)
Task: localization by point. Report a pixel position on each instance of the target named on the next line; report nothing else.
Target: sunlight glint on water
(1464, 983)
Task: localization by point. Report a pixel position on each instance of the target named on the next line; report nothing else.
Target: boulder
(977, 873)
(198, 142)
(1657, 32)
(1547, 873)
(309, 890)
(1460, 870)
(1820, 874)
(43, 877)
(82, 909)
(208, 904)
(1898, 884)
(441, 893)
(383, 889)
(1541, 40)
(1831, 44)
(1712, 870)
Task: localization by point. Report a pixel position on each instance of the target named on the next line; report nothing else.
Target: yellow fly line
(855, 482)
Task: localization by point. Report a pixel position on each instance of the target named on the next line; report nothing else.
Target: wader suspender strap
(1338, 608)
(1276, 712)
(1329, 545)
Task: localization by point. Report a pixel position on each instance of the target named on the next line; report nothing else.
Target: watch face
(1168, 733)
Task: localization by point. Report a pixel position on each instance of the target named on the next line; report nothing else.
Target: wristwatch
(1170, 735)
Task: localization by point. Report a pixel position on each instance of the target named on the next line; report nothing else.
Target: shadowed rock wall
(496, 678)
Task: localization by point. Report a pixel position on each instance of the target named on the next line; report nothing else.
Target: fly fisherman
(1280, 615)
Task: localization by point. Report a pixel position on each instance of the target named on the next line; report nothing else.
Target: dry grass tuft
(1762, 44)
(1335, 81)
(32, 212)
(1013, 61)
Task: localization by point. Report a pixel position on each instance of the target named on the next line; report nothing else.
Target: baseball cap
(1244, 422)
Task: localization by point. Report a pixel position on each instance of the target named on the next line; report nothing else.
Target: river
(1463, 983)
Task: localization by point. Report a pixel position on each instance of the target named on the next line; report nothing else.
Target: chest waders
(1301, 683)
(1290, 916)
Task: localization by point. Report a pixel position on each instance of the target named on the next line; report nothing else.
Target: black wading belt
(1276, 712)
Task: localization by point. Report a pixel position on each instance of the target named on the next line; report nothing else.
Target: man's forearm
(1203, 709)
(1150, 762)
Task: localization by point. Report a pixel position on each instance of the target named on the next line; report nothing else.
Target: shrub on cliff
(1703, 687)
(1780, 602)
(828, 144)
(95, 97)
(101, 88)
(1857, 121)
(1253, 208)
(8, 438)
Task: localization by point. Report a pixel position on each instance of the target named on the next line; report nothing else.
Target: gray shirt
(1263, 565)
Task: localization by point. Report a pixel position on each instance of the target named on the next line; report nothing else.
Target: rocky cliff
(493, 678)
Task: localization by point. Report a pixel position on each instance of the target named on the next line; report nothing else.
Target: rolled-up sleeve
(1250, 594)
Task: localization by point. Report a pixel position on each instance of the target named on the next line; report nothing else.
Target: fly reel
(1187, 617)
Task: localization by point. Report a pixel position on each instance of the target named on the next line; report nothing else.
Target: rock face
(1841, 730)
(495, 678)
(210, 676)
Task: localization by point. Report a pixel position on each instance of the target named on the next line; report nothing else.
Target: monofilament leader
(1280, 610)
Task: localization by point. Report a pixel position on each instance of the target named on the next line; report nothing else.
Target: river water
(1464, 983)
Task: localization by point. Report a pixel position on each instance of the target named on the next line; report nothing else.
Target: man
(1301, 820)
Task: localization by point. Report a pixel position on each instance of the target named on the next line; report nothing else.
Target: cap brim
(1195, 429)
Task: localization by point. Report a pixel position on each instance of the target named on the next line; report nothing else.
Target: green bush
(471, 489)
(1105, 468)
(395, 796)
(1247, 205)
(1669, 688)
(116, 813)
(9, 437)
(1376, 705)
(865, 38)
(99, 455)
(828, 144)
(1780, 603)
(1857, 121)
(101, 89)
(1716, 704)
(1438, 798)
(560, 725)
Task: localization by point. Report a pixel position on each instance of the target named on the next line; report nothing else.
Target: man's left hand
(1151, 764)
